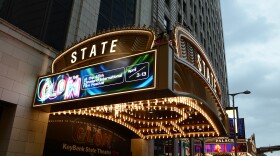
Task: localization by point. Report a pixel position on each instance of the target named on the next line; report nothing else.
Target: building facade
(34, 33)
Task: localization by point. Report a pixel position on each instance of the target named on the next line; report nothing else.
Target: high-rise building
(60, 23)
(34, 33)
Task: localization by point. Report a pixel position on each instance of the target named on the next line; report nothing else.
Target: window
(192, 20)
(185, 7)
(116, 13)
(179, 2)
(202, 10)
(167, 2)
(47, 20)
(203, 26)
(179, 18)
(57, 24)
(166, 23)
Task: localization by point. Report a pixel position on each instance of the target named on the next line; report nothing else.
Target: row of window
(116, 13)
(46, 20)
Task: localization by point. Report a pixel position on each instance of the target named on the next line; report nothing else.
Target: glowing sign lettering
(48, 89)
(107, 78)
(92, 51)
(191, 51)
(204, 69)
(73, 88)
(137, 72)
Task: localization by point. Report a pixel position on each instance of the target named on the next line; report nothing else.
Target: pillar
(141, 147)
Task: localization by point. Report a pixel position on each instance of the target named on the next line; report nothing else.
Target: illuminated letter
(214, 85)
(212, 81)
(53, 92)
(198, 63)
(104, 44)
(60, 87)
(83, 52)
(74, 58)
(113, 45)
(203, 68)
(208, 75)
(93, 51)
(73, 87)
(44, 92)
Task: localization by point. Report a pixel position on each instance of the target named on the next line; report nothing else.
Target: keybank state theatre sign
(111, 63)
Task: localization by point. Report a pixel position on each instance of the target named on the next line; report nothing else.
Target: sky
(252, 45)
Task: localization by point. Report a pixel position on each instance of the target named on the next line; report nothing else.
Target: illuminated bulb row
(207, 118)
(178, 135)
(124, 107)
(119, 121)
(129, 119)
(177, 127)
(138, 105)
(167, 131)
(183, 117)
(193, 103)
(138, 132)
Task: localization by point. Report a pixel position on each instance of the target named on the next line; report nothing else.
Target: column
(141, 147)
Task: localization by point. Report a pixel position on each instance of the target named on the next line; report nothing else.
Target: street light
(234, 124)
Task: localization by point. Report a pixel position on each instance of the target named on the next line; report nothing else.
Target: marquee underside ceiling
(172, 117)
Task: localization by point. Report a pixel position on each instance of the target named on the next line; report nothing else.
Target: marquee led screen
(112, 77)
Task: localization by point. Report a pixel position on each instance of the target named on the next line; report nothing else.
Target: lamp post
(234, 123)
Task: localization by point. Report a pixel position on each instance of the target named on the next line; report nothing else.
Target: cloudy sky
(252, 43)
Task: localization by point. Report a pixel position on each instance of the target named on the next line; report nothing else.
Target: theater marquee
(122, 76)
(106, 64)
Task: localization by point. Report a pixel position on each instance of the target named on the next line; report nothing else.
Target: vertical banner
(233, 114)
(241, 128)
(231, 128)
